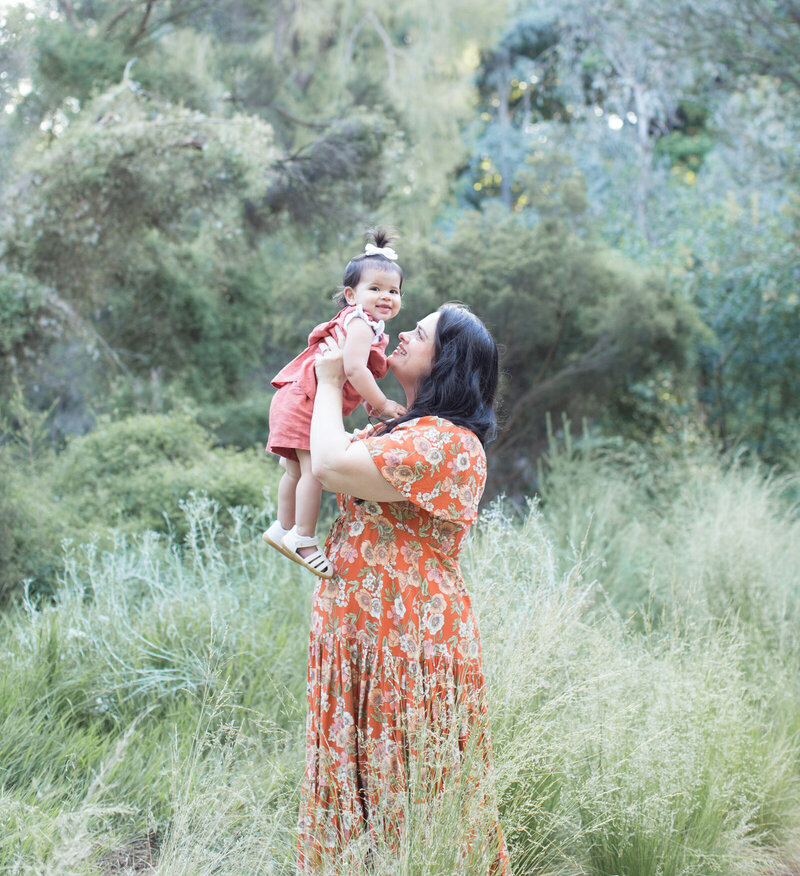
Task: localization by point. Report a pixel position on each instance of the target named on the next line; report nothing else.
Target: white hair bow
(371, 249)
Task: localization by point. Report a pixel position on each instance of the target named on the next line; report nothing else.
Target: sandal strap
(316, 562)
(319, 561)
(293, 540)
(275, 531)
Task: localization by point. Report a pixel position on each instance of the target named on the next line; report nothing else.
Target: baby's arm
(355, 354)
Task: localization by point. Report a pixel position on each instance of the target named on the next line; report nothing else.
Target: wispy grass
(161, 695)
(627, 752)
(673, 534)
(143, 644)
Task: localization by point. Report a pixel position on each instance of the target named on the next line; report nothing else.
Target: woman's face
(412, 359)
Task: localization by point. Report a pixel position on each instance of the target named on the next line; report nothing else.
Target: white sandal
(317, 562)
(274, 538)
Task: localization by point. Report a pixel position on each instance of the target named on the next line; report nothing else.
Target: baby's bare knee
(291, 467)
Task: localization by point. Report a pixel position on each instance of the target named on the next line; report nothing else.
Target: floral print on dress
(394, 651)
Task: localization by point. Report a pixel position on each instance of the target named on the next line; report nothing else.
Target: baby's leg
(287, 492)
(308, 496)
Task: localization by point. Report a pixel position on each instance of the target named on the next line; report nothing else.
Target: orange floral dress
(395, 655)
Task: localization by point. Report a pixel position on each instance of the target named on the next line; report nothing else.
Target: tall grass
(115, 698)
(677, 534)
(157, 704)
(625, 752)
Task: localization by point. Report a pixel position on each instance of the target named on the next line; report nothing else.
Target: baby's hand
(391, 410)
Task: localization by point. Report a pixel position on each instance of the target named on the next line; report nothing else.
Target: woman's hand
(328, 362)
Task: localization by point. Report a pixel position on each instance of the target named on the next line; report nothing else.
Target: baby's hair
(380, 237)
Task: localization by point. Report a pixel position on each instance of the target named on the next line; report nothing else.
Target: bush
(148, 258)
(132, 474)
(241, 423)
(32, 528)
(578, 322)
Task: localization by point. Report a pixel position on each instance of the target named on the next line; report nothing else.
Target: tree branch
(68, 12)
(384, 37)
(142, 24)
(551, 352)
(118, 17)
(179, 13)
(86, 327)
(287, 115)
(598, 358)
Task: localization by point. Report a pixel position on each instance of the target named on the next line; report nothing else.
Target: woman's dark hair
(462, 384)
(355, 267)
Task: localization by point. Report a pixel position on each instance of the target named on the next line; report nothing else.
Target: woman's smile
(412, 359)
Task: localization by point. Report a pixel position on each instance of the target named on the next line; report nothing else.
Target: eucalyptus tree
(750, 37)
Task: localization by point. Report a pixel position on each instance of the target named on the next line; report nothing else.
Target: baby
(371, 295)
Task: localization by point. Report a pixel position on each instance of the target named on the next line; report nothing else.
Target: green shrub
(32, 521)
(32, 527)
(131, 475)
(240, 423)
(134, 473)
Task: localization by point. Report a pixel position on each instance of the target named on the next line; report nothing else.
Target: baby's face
(378, 293)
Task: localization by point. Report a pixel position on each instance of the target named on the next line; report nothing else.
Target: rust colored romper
(293, 404)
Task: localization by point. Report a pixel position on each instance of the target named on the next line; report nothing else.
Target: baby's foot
(274, 537)
(305, 550)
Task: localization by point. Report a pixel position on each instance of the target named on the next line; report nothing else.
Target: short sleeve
(358, 313)
(434, 464)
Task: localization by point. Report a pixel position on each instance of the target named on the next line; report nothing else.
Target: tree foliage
(578, 323)
(744, 278)
(142, 224)
(132, 222)
(184, 182)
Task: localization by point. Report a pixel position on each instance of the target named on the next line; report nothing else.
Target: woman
(394, 655)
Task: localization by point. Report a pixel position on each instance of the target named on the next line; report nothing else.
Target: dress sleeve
(434, 464)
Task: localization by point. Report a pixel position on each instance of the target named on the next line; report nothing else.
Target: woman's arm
(339, 464)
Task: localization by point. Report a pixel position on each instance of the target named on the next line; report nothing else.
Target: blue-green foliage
(517, 86)
(745, 282)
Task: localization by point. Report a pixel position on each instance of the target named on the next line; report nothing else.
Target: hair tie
(370, 249)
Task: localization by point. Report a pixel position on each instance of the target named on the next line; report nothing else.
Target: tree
(301, 66)
(740, 37)
(742, 267)
(517, 87)
(133, 227)
(577, 323)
